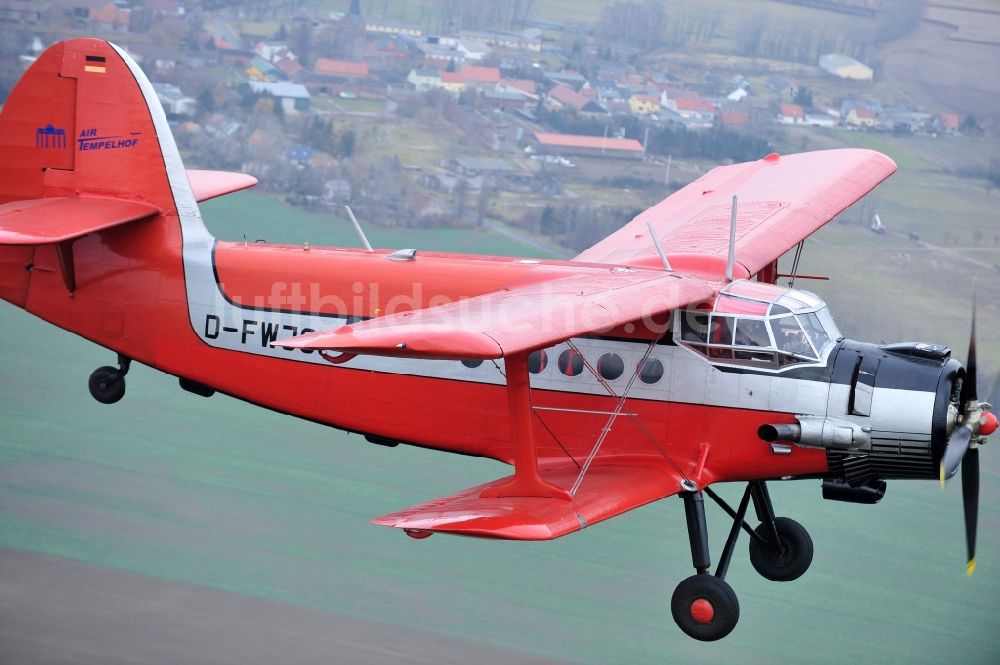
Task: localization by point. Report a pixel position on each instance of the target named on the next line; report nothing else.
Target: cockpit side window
(789, 337)
(694, 327)
(721, 334)
(815, 331)
(752, 332)
(760, 333)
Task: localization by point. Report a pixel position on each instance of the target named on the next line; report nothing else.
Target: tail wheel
(107, 384)
(790, 559)
(418, 534)
(705, 607)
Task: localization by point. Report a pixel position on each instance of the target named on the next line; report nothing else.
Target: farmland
(219, 494)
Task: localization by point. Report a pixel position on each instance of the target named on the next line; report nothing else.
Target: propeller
(975, 420)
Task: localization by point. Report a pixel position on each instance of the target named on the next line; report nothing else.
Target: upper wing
(782, 200)
(210, 184)
(56, 219)
(522, 318)
(608, 490)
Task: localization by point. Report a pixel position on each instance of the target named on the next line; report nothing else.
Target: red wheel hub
(702, 611)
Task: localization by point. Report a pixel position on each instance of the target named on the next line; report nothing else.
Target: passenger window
(610, 366)
(570, 362)
(652, 371)
(537, 360)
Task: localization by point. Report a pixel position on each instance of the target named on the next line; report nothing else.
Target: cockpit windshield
(760, 325)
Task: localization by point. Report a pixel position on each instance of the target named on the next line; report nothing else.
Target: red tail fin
(77, 123)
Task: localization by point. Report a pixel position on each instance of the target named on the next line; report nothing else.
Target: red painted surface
(130, 297)
(989, 424)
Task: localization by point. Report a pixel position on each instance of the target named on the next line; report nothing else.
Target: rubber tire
(794, 558)
(107, 384)
(715, 591)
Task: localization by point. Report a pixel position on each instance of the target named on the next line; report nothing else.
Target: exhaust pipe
(781, 432)
(818, 432)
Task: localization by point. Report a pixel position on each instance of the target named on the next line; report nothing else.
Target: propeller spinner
(975, 421)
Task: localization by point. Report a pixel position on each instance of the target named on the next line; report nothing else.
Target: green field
(254, 217)
(221, 494)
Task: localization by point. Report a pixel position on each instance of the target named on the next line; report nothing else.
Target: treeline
(580, 226)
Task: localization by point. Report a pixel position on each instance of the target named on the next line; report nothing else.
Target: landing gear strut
(107, 384)
(704, 605)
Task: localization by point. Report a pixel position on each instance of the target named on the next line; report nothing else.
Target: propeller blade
(958, 444)
(969, 384)
(970, 502)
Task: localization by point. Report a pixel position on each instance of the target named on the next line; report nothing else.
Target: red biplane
(660, 361)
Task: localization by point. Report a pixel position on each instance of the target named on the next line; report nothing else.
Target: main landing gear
(107, 384)
(704, 605)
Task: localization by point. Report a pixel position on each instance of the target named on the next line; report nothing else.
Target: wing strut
(616, 413)
(526, 481)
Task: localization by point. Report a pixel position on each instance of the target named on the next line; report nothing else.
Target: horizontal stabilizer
(211, 184)
(523, 318)
(607, 490)
(56, 219)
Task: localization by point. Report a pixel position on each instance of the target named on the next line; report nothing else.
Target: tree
(804, 97)
(206, 100)
(970, 127)
(347, 142)
(461, 197)
(642, 25)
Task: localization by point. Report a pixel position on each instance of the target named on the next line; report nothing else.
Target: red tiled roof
(568, 97)
(792, 111)
(862, 112)
(524, 85)
(288, 67)
(475, 74)
(452, 77)
(328, 67)
(734, 118)
(949, 121)
(694, 104)
(596, 142)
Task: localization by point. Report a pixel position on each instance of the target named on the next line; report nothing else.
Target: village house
(643, 104)
(423, 80)
(737, 118)
(791, 114)
(526, 40)
(480, 77)
(845, 67)
(524, 87)
(293, 97)
(564, 97)
(175, 102)
(453, 82)
(393, 28)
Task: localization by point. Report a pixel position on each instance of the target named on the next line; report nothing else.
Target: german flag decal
(95, 64)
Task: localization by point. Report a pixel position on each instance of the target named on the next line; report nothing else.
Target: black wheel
(705, 607)
(788, 562)
(107, 385)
